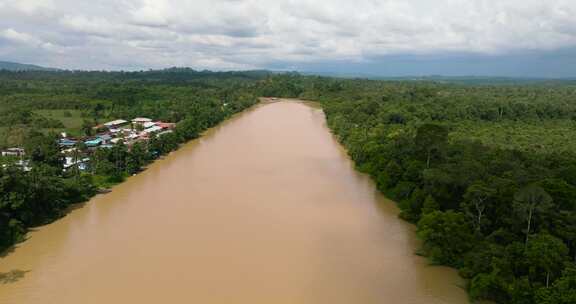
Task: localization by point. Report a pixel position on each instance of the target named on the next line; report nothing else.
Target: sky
(520, 38)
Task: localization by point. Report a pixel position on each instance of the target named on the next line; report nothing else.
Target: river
(266, 208)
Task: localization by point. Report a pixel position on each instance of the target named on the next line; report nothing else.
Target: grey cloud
(223, 34)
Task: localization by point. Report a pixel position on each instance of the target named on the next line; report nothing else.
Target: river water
(264, 209)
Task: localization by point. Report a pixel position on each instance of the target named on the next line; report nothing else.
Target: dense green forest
(36, 106)
(488, 173)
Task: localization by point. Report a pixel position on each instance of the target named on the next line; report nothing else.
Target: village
(106, 135)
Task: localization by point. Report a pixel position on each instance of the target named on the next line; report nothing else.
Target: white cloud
(28, 6)
(17, 37)
(257, 33)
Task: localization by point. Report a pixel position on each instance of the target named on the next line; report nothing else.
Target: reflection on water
(266, 208)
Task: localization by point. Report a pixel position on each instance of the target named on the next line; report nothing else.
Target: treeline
(506, 218)
(36, 189)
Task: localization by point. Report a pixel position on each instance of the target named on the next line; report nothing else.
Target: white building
(141, 120)
(115, 123)
(153, 129)
(81, 163)
(148, 124)
(13, 152)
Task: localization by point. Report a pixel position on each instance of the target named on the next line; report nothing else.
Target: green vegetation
(488, 173)
(35, 105)
(546, 136)
(71, 119)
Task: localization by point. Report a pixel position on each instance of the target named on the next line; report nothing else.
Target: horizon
(345, 75)
(516, 39)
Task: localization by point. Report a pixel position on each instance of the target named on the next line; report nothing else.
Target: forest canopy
(486, 171)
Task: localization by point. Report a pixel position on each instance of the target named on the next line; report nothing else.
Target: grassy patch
(12, 136)
(72, 120)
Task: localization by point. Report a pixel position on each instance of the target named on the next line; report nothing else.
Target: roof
(69, 161)
(153, 129)
(148, 124)
(165, 132)
(115, 122)
(14, 150)
(166, 125)
(141, 119)
(93, 142)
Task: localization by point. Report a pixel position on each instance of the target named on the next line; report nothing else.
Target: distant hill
(471, 80)
(13, 66)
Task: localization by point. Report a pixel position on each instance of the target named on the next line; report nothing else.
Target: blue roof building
(94, 142)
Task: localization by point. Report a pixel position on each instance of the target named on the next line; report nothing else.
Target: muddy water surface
(266, 208)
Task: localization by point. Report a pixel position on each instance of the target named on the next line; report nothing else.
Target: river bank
(43, 193)
(264, 208)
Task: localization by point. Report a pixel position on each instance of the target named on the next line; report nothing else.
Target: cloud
(28, 7)
(224, 34)
(14, 36)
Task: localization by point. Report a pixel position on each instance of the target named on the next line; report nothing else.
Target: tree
(97, 110)
(563, 291)
(431, 139)
(546, 253)
(87, 128)
(394, 173)
(530, 200)
(412, 206)
(136, 158)
(476, 199)
(44, 149)
(446, 236)
(489, 286)
(430, 205)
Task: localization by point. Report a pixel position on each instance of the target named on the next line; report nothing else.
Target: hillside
(13, 66)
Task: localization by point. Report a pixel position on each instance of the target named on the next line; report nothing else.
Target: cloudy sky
(377, 37)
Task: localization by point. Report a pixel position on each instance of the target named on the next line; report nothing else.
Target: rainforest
(485, 170)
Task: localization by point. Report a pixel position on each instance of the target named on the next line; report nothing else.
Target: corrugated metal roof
(141, 119)
(115, 122)
(148, 124)
(153, 129)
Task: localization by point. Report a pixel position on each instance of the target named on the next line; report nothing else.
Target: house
(93, 142)
(105, 138)
(148, 124)
(141, 120)
(13, 152)
(153, 129)
(115, 131)
(22, 164)
(81, 163)
(66, 143)
(115, 123)
(164, 133)
(166, 125)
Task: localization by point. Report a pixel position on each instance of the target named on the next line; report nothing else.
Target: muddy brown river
(266, 208)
